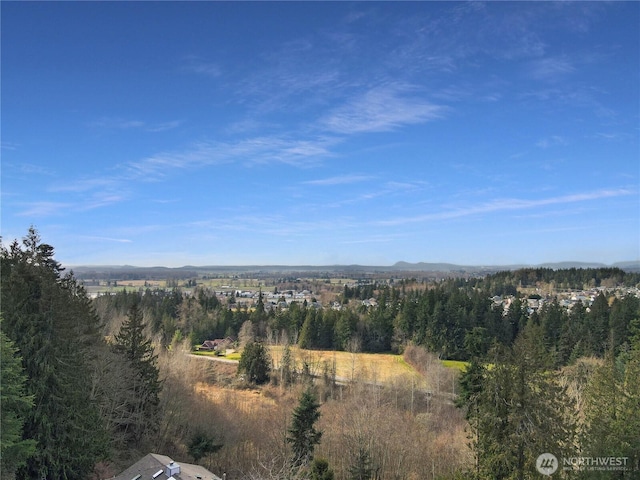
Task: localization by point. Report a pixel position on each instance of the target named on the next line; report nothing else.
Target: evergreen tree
(15, 405)
(361, 468)
(255, 363)
(286, 367)
(309, 331)
(320, 470)
(344, 328)
(202, 444)
(597, 325)
(259, 315)
(623, 311)
(612, 403)
(516, 318)
(51, 322)
(303, 435)
(142, 407)
(521, 413)
(471, 383)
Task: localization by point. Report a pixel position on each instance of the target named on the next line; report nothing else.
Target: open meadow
(382, 368)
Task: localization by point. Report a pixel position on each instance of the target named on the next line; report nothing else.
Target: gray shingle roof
(154, 466)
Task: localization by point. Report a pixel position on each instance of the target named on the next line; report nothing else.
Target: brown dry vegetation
(370, 367)
(408, 433)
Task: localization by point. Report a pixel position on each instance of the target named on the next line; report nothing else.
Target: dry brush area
(406, 432)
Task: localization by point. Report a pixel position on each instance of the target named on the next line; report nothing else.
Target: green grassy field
(455, 364)
(205, 353)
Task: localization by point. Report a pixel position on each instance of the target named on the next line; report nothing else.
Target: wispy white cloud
(250, 125)
(502, 205)
(552, 141)
(339, 180)
(378, 238)
(44, 209)
(388, 189)
(26, 168)
(100, 200)
(257, 150)
(551, 68)
(52, 208)
(613, 136)
(163, 127)
(116, 123)
(105, 239)
(112, 123)
(9, 146)
(405, 186)
(84, 185)
(195, 64)
(381, 109)
(161, 165)
(270, 149)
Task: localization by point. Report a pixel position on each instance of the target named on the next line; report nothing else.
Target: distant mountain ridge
(631, 266)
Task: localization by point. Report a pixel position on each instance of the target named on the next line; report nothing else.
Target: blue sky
(211, 133)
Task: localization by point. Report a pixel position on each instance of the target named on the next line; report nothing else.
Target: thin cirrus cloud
(502, 205)
(105, 239)
(552, 141)
(49, 209)
(381, 109)
(112, 123)
(339, 180)
(84, 185)
(265, 149)
(551, 68)
(195, 64)
(110, 189)
(44, 209)
(101, 200)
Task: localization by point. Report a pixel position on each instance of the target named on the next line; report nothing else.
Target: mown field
(382, 368)
(370, 367)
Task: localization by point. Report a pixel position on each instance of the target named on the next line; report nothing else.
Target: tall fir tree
(303, 435)
(612, 403)
(309, 331)
(361, 468)
(521, 412)
(15, 405)
(286, 367)
(49, 318)
(142, 407)
(255, 363)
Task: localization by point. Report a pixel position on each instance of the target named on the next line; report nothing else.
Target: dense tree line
(455, 318)
(52, 325)
(84, 391)
(567, 278)
(518, 406)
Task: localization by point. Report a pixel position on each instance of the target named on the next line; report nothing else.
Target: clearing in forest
(382, 368)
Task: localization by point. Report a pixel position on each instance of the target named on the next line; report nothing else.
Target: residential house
(217, 345)
(161, 467)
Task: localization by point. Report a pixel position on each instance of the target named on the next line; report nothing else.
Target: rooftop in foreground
(160, 467)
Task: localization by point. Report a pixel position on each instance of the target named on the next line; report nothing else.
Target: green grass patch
(205, 353)
(208, 353)
(455, 364)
